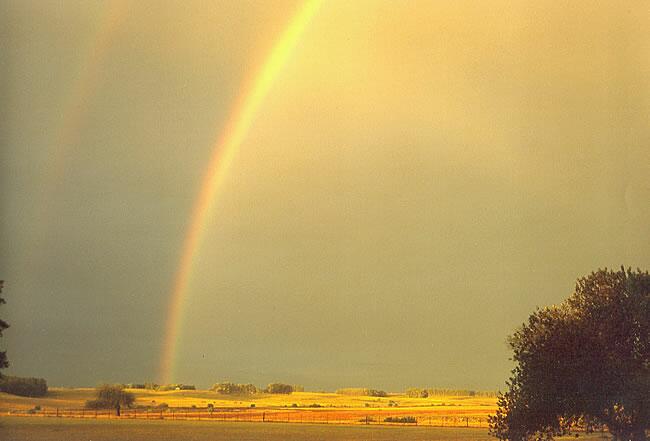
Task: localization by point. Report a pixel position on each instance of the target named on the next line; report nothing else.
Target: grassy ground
(51, 429)
(75, 398)
(56, 429)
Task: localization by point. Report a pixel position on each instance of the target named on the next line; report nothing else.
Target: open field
(299, 407)
(75, 398)
(56, 429)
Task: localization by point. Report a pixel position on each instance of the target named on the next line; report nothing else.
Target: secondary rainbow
(83, 89)
(224, 150)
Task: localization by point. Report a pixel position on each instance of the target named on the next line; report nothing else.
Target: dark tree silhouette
(3, 325)
(112, 396)
(586, 362)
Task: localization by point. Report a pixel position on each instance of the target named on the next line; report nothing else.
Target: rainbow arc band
(224, 150)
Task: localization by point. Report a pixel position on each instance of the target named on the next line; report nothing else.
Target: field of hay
(67, 398)
(55, 429)
(299, 407)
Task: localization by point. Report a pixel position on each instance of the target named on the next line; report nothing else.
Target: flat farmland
(67, 398)
(56, 429)
(299, 407)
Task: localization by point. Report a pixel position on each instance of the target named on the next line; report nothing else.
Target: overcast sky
(419, 178)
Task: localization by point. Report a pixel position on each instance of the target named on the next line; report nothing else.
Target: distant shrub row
(404, 419)
(415, 392)
(361, 392)
(24, 387)
(228, 388)
(163, 387)
(279, 388)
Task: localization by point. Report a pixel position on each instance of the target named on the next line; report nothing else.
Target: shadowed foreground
(52, 429)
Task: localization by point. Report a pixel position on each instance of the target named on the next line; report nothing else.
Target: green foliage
(402, 419)
(228, 388)
(586, 361)
(176, 386)
(111, 396)
(3, 325)
(361, 392)
(24, 387)
(438, 392)
(96, 404)
(414, 392)
(279, 388)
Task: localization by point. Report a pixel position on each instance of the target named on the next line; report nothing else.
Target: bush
(97, 404)
(111, 396)
(228, 388)
(460, 393)
(414, 392)
(279, 388)
(361, 392)
(404, 419)
(176, 386)
(24, 387)
(376, 393)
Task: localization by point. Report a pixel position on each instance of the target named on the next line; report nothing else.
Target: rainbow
(224, 150)
(83, 89)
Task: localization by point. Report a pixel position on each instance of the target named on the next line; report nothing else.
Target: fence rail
(310, 416)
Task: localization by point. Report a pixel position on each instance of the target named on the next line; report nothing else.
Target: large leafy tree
(585, 362)
(3, 325)
(112, 396)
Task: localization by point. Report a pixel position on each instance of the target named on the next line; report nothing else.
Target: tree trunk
(117, 410)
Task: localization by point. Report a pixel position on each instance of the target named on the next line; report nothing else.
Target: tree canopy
(584, 362)
(112, 396)
(3, 325)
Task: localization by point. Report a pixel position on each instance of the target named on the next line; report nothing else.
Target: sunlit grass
(76, 398)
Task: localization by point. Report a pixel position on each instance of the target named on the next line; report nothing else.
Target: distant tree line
(361, 392)
(279, 388)
(415, 392)
(24, 387)
(228, 388)
(155, 386)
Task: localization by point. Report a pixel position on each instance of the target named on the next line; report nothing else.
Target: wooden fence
(310, 416)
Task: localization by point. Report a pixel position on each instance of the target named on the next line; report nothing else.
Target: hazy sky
(419, 178)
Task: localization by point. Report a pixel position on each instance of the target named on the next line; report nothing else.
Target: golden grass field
(188, 417)
(67, 398)
(57, 429)
(299, 407)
